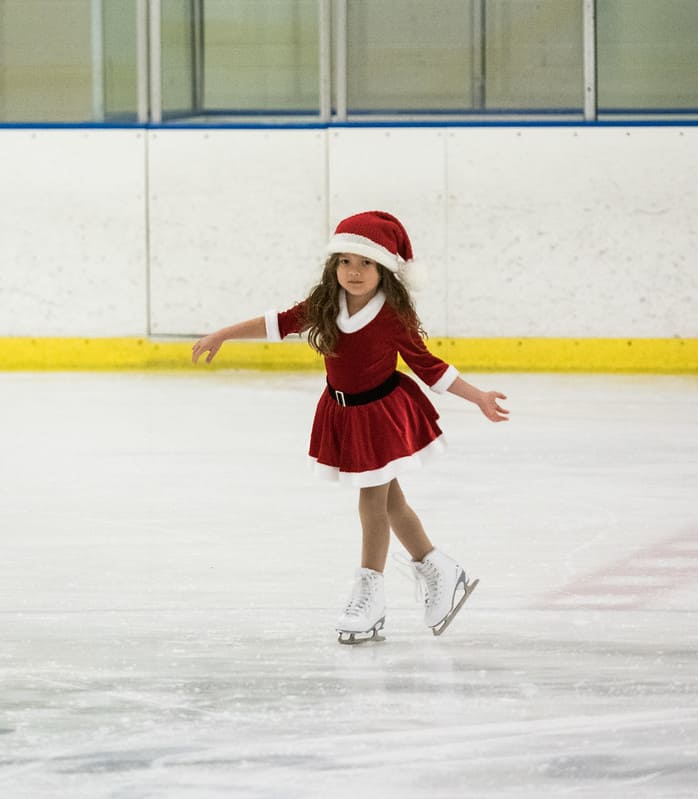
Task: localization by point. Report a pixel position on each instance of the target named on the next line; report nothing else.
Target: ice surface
(170, 574)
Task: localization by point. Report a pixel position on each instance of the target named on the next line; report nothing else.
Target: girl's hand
(210, 344)
(491, 408)
(485, 400)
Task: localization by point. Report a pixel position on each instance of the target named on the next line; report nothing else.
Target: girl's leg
(406, 524)
(373, 511)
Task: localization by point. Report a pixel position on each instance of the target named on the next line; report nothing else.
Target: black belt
(364, 397)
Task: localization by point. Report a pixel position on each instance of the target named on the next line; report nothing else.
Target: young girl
(373, 423)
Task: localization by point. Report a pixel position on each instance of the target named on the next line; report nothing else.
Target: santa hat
(375, 235)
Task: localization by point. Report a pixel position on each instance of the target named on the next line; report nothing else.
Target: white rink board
(237, 224)
(567, 232)
(542, 232)
(72, 233)
(402, 171)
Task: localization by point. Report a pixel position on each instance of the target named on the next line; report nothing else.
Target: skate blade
(439, 628)
(352, 639)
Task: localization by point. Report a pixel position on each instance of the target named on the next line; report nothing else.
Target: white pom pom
(415, 275)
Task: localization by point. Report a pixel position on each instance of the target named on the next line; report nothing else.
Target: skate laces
(424, 575)
(360, 597)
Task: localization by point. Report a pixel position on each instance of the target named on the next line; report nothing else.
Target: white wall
(562, 232)
(552, 231)
(237, 220)
(73, 242)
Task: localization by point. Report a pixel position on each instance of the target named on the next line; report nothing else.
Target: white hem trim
(446, 380)
(350, 324)
(271, 322)
(377, 477)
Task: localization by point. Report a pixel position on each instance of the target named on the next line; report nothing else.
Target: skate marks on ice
(143, 657)
(634, 580)
(195, 705)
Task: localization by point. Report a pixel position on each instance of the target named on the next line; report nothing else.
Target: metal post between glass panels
(340, 62)
(142, 61)
(197, 48)
(479, 38)
(97, 41)
(325, 59)
(589, 50)
(154, 62)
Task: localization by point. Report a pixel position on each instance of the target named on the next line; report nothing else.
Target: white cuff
(446, 380)
(271, 321)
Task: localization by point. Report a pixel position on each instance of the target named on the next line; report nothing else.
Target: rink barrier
(662, 356)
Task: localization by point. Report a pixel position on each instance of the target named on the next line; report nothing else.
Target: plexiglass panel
(416, 56)
(67, 60)
(533, 55)
(76, 60)
(45, 61)
(647, 55)
(261, 56)
(120, 72)
(445, 56)
(178, 64)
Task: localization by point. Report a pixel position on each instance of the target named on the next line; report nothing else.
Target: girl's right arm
(252, 328)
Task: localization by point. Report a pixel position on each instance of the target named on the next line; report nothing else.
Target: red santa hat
(376, 235)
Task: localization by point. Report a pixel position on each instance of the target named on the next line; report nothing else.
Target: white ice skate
(364, 615)
(441, 579)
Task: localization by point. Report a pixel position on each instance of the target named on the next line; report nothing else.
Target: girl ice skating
(373, 423)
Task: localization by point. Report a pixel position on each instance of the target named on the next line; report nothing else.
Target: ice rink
(171, 572)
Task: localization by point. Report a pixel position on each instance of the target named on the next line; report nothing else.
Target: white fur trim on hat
(361, 245)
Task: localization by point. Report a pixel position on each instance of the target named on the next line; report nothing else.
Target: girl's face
(359, 277)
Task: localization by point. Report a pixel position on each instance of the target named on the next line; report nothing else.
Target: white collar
(350, 324)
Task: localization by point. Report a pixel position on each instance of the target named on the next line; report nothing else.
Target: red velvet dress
(368, 445)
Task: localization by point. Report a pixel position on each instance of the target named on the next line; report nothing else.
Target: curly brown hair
(322, 306)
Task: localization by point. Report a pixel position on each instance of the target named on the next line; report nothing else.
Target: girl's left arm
(485, 400)
(251, 328)
(441, 377)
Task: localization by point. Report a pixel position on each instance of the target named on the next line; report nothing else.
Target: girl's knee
(373, 496)
(396, 499)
